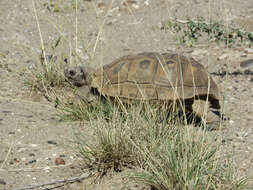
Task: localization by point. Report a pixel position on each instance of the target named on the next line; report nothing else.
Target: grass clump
(184, 162)
(114, 148)
(189, 32)
(81, 110)
(160, 154)
(46, 74)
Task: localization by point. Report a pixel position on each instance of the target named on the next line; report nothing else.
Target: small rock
(33, 145)
(32, 154)
(223, 56)
(132, 3)
(2, 182)
(47, 168)
(59, 161)
(101, 5)
(31, 66)
(248, 50)
(231, 121)
(110, 22)
(244, 55)
(146, 3)
(16, 160)
(30, 162)
(246, 63)
(52, 142)
(248, 72)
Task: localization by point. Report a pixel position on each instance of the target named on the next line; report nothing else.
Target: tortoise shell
(155, 76)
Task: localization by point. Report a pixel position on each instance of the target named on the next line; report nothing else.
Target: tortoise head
(78, 76)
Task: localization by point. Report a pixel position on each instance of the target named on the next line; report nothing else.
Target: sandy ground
(31, 135)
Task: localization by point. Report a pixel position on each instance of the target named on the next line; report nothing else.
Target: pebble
(52, 142)
(16, 160)
(129, 2)
(223, 56)
(33, 145)
(47, 169)
(30, 162)
(101, 5)
(246, 63)
(244, 55)
(248, 50)
(59, 161)
(31, 154)
(2, 182)
(231, 121)
(146, 3)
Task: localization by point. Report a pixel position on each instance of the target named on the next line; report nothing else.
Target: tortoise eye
(72, 72)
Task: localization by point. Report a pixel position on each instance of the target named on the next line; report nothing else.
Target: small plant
(53, 5)
(189, 32)
(47, 73)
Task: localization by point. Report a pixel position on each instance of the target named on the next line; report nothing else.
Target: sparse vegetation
(146, 145)
(160, 154)
(189, 32)
(47, 73)
(82, 110)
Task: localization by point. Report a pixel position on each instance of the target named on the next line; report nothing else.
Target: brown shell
(155, 76)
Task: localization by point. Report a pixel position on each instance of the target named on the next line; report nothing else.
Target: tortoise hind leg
(209, 117)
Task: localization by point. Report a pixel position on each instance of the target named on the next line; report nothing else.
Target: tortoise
(156, 77)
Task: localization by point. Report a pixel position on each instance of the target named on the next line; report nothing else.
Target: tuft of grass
(186, 162)
(189, 32)
(112, 144)
(81, 110)
(164, 155)
(47, 74)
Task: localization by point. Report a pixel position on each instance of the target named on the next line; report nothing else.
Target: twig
(69, 180)
(8, 153)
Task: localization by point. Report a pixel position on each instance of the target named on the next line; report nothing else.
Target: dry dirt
(31, 135)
